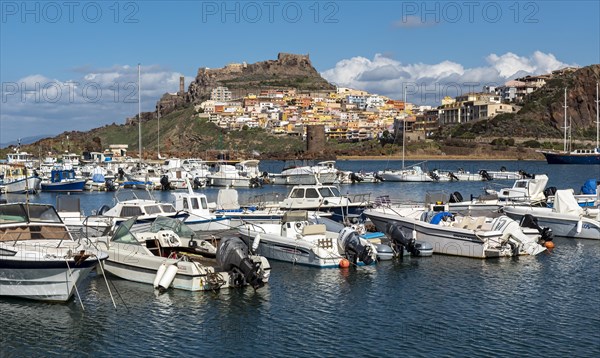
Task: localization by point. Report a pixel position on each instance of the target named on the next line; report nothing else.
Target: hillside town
(355, 115)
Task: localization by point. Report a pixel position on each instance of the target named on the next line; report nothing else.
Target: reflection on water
(548, 305)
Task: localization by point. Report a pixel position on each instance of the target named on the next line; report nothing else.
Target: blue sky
(377, 45)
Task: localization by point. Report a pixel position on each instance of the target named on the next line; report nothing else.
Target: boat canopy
(565, 203)
(536, 188)
(227, 199)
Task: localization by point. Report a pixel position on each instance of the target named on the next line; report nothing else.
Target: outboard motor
(355, 178)
(233, 256)
(355, 251)
(197, 183)
(255, 182)
(531, 221)
(164, 183)
(526, 175)
(485, 175)
(434, 176)
(549, 191)
(378, 177)
(453, 176)
(110, 185)
(455, 197)
(121, 173)
(400, 241)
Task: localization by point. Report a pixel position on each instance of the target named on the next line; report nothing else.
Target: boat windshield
(329, 192)
(14, 213)
(177, 226)
(123, 233)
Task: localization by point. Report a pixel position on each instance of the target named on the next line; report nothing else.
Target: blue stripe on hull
(70, 186)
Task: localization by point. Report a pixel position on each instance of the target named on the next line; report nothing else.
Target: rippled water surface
(544, 306)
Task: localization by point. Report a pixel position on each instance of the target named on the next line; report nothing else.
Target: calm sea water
(548, 305)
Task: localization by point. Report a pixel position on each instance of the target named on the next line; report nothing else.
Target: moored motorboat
(298, 241)
(39, 259)
(170, 254)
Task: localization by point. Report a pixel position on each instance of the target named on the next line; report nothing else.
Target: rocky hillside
(542, 114)
(288, 71)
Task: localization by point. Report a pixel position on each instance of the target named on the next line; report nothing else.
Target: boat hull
(561, 225)
(447, 241)
(32, 184)
(559, 158)
(40, 280)
(70, 186)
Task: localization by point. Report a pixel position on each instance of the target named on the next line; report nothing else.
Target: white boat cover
(536, 188)
(227, 199)
(565, 203)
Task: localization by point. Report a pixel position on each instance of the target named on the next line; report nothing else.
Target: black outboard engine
(378, 177)
(103, 209)
(110, 185)
(121, 173)
(453, 176)
(549, 191)
(526, 175)
(355, 178)
(455, 197)
(355, 251)
(164, 183)
(485, 175)
(197, 183)
(434, 176)
(233, 256)
(400, 241)
(531, 221)
(255, 182)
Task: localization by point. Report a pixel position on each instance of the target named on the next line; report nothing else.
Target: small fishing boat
(566, 218)
(469, 236)
(298, 241)
(63, 180)
(170, 254)
(39, 259)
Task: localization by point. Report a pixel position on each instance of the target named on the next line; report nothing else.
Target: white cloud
(38, 104)
(428, 83)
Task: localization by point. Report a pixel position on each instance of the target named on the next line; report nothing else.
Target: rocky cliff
(288, 71)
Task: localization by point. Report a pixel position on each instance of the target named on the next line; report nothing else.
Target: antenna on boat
(565, 107)
(139, 115)
(597, 120)
(404, 126)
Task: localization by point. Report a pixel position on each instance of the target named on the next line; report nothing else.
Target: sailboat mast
(597, 120)
(139, 115)
(565, 107)
(404, 127)
(158, 144)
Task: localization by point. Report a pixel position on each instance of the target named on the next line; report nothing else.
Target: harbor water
(547, 305)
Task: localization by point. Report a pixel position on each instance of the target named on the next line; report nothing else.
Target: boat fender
(159, 274)
(255, 243)
(167, 278)
(579, 226)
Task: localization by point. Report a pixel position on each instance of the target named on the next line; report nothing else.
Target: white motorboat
(145, 208)
(325, 172)
(326, 198)
(349, 177)
(469, 236)
(566, 218)
(294, 176)
(200, 218)
(244, 174)
(170, 254)
(409, 174)
(298, 241)
(39, 259)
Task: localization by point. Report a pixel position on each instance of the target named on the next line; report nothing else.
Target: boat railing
(359, 198)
